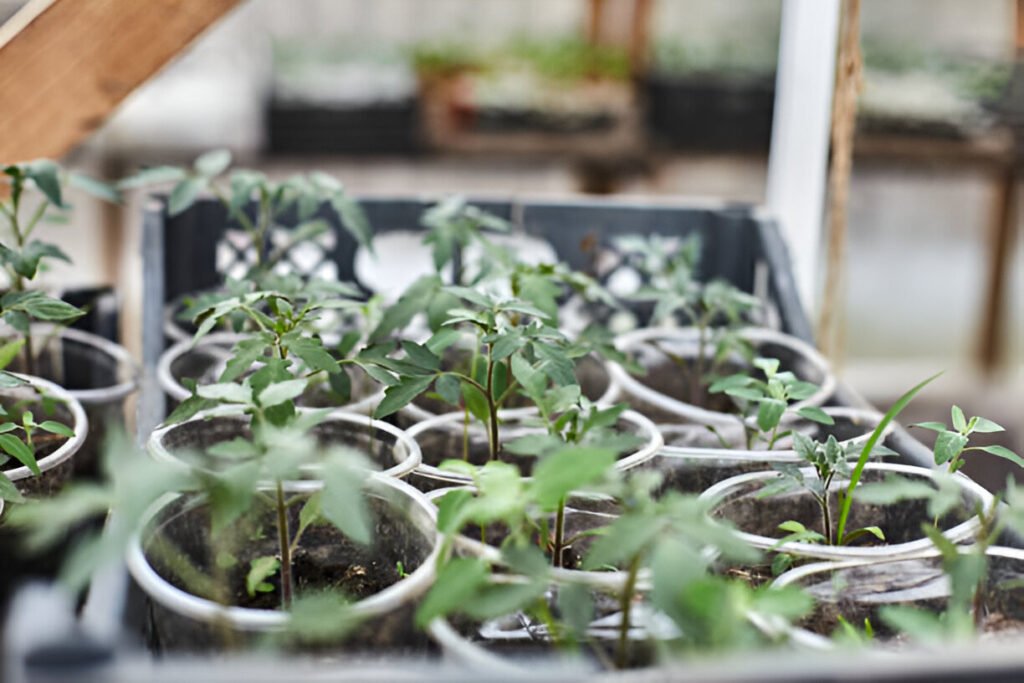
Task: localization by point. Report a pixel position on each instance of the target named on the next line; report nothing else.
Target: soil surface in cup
(900, 522)
(192, 440)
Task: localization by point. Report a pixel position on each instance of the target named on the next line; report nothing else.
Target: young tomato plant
(503, 330)
(952, 444)
(287, 356)
(715, 308)
(20, 438)
(22, 257)
(772, 397)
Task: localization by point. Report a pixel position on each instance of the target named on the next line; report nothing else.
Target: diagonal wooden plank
(65, 65)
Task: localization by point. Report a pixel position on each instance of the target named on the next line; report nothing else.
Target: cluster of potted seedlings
(489, 466)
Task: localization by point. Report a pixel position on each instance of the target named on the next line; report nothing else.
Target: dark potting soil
(695, 475)
(900, 522)
(196, 437)
(325, 560)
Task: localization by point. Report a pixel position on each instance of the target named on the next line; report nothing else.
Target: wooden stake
(65, 65)
(844, 120)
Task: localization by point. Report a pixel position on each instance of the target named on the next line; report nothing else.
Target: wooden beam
(65, 65)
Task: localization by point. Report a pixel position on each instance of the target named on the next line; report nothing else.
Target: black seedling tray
(179, 257)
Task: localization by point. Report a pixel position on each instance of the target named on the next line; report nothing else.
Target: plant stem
(492, 408)
(285, 548)
(625, 606)
(697, 380)
(556, 554)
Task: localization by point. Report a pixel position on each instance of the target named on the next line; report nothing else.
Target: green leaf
(476, 402)
(456, 585)
(188, 408)
(918, 623)
(229, 392)
(310, 512)
(746, 393)
(421, 355)
(10, 351)
(442, 339)
(1002, 452)
(236, 449)
(450, 510)
(94, 187)
(184, 195)
(261, 569)
(769, 413)
(341, 384)
(213, 163)
(343, 502)
(567, 470)
(56, 428)
(863, 531)
(46, 308)
(353, 219)
(8, 491)
(497, 600)
(576, 607)
(46, 175)
(934, 426)
(959, 421)
(313, 354)
(448, 388)
(243, 355)
(948, 445)
(17, 449)
(398, 396)
(984, 426)
(280, 392)
(815, 414)
(625, 537)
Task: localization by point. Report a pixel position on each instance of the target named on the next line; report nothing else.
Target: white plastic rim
(118, 353)
(960, 533)
(469, 654)
(450, 421)
(634, 387)
(406, 448)
(262, 620)
(214, 344)
(870, 417)
(69, 447)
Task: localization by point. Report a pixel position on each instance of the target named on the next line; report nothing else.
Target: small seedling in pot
(952, 444)
(716, 308)
(23, 257)
(504, 329)
(288, 357)
(21, 436)
(772, 398)
(828, 461)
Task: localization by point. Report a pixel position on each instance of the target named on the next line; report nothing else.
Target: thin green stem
(558, 547)
(625, 606)
(284, 546)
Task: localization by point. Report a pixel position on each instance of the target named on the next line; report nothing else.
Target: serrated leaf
(399, 395)
(189, 408)
(934, 426)
(313, 354)
(46, 176)
(449, 389)
(476, 402)
(457, 584)
(566, 470)
(948, 445)
(228, 392)
(280, 392)
(421, 355)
